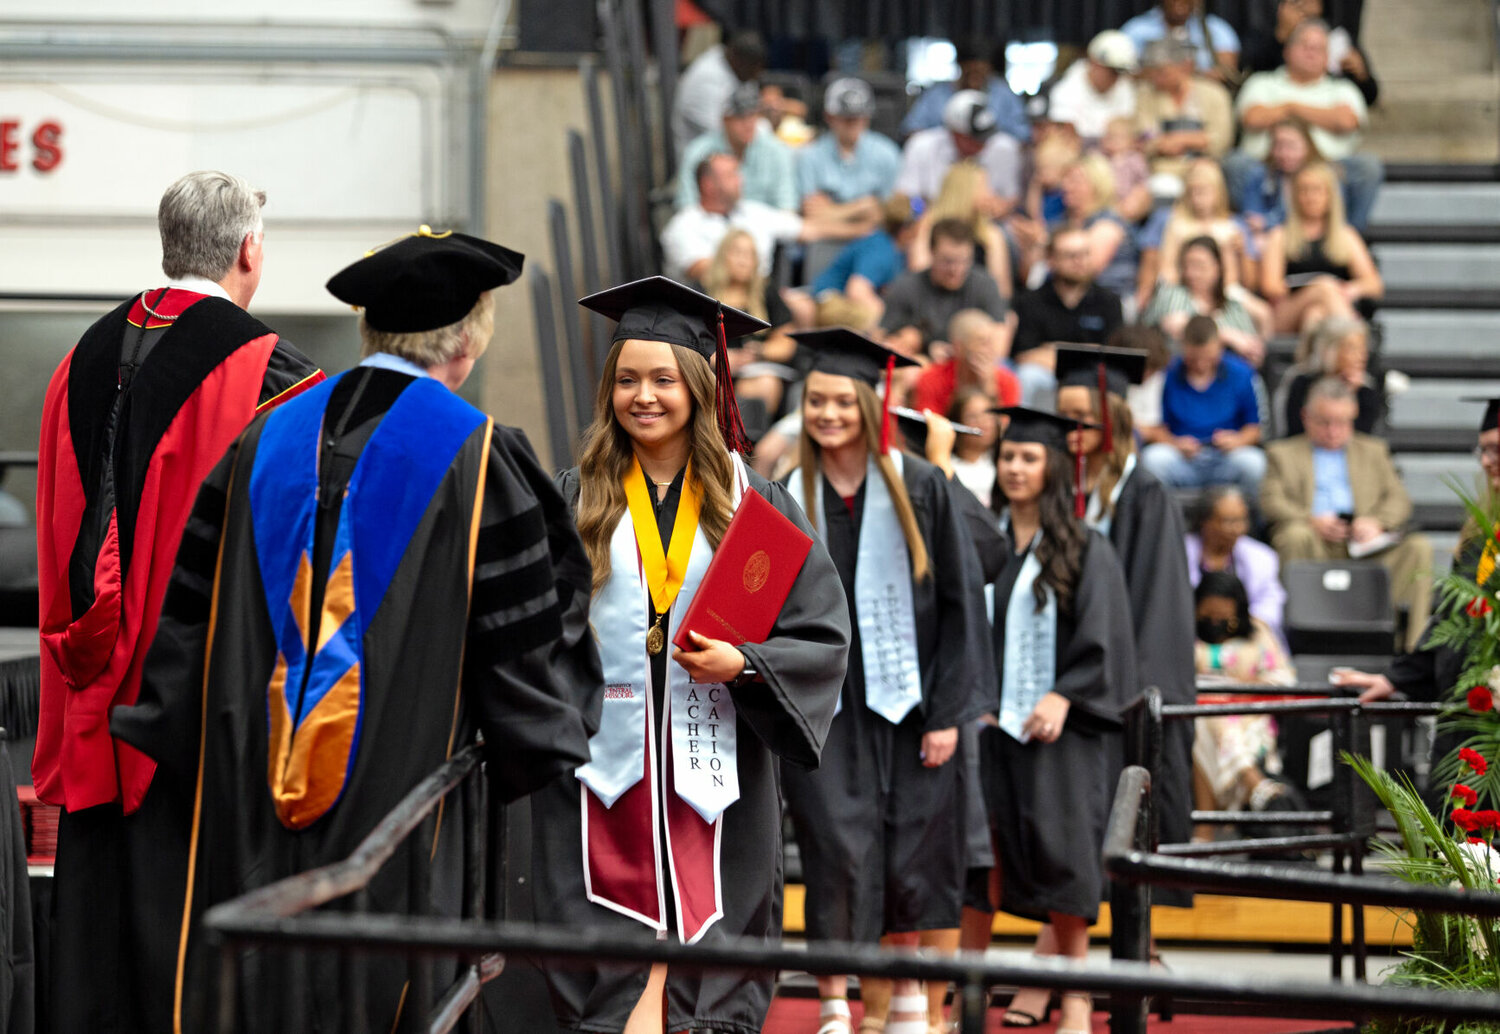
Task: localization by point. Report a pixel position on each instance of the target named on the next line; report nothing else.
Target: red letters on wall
(41, 149)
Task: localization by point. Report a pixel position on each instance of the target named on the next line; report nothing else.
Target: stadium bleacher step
(1416, 340)
(1437, 205)
(1427, 476)
(1431, 402)
(1448, 266)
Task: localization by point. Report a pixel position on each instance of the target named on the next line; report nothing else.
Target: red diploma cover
(749, 578)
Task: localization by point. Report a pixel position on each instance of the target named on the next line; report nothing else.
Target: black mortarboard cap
(1040, 425)
(659, 309)
(1078, 366)
(425, 280)
(913, 426)
(1491, 419)
(848, 353)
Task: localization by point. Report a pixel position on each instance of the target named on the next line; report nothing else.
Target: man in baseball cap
(766, 164)
(1098, 89)
(969, 131)
(851, 169)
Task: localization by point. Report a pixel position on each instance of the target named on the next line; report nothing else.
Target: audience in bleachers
(1261, 195)
(1088, 189)
(1216, 53)
(1331, 493)
(1339, 347)
(1201, 289)
(966, 196)
(759, 361)
(1218, 539)
(918, 305)
(1333, 109)
(1263, 52)
(1098, 89)
(1132, 172)
(851, 164)
(972, 460)
(767, 168)
(865, 266)
(969, 133)
(1068, 307)
(1211, 420)
(980, 62)
(1180, 115)
(980, 345)
(706, 85)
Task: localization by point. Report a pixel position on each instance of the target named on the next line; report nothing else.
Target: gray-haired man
(135, 417)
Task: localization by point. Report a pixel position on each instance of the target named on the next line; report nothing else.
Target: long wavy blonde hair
(810, 462)
(958, 198)
(608, 452)
(1335, 226)
(716, 279)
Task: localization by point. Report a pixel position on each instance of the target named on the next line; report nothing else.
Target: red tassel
(885, 408)
(1078, 500)
(1109, 429)
(726, 407)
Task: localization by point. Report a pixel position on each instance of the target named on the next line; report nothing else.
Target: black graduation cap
(848, 353)
(424, 280)
(913, 424)
(659, 309)
(1047, 428)
(1111, 370)
(1491, 419)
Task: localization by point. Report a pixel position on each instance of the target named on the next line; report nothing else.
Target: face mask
(1216, 630)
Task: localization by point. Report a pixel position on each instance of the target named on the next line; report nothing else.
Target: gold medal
(656, 639)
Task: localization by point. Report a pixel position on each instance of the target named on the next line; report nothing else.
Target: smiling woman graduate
(644, 838)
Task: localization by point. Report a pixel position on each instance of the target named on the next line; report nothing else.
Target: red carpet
(800, 1016)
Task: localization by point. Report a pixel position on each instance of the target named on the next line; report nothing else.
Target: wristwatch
(746, 676)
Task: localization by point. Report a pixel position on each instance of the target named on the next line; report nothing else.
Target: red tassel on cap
(885, 408)
(1078, 500)
(1109, 430)
(726, 407)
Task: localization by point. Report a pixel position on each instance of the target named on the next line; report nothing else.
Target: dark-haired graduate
(881, 823)
(1130, 507)
(1065, 650)
(373, 574)
(673, 828)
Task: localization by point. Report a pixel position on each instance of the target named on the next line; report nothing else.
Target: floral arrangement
(1449, 839)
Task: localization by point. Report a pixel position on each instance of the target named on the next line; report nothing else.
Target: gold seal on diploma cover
(757, 570)
(656, 639)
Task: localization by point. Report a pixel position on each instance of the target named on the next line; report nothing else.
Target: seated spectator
(767, 167)
(1051, 156)
(1263, 192)
(1203, 211)
(693, 234)
(1338, 347)
(705, 85)
(1180, 116)
(760, 361)
(1088, 205)
(918, 306)
(1128, 164)
(1144, 398)
(1179, 20)
(786, 114)
(968, 133)
(1233, 644)
(1219, 540)
(980, 62)
(966, 197)
(973, 459)
(1333, 109)
(1068, 308)
(865, 266)
(1097, 89)
(1201, 291)
(1263, 51)
(850, 165)
(1210, 417)
(1332, 493)
(980, 345)
(1316, 265)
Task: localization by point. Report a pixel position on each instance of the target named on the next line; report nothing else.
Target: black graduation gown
(516, 663)
(1147, 535)
(1050, 801)
(883, 838)
(786, 716)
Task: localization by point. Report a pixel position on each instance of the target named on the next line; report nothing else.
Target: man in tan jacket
(1330, 488)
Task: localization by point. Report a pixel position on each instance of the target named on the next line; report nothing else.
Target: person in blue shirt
(1210, 433)
(979, 64)
(766, 164)
(1216, 56)
(850, 165)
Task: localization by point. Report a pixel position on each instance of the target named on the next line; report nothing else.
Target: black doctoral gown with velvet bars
(1147, 535)
(786, 716)
(883, 838)
(466, 611)
(1050, 801)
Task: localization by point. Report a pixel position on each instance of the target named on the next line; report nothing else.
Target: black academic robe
(1147, 536)
(1050, 801)
(482, 628)
(884, 839)
(785, 716)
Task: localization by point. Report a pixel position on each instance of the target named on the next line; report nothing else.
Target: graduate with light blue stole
(1065, 652)
(880, 824)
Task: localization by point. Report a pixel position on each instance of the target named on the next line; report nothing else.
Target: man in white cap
(1098, 89)
(968, 132)
(850, 169)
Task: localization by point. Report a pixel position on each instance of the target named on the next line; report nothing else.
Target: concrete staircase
(1440, 82)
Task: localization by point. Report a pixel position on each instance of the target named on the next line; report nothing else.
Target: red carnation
(1478, 607)
(1478, 840)
(1481, 699)
(1473, 759)
(1466, 794)
(1487, 819)
(1463, 818)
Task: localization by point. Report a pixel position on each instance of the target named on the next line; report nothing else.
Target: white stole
(1029, 668)
(1094, 516)
(883, 604)
(705, 772)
